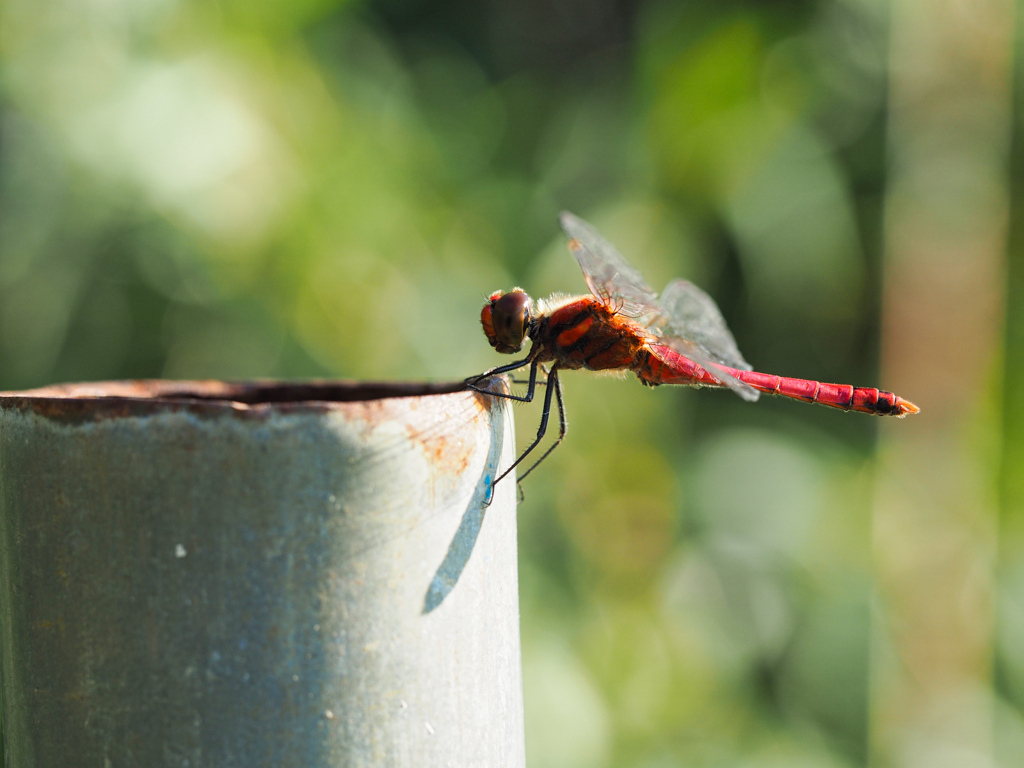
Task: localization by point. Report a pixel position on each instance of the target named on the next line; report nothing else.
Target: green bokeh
(322, 188)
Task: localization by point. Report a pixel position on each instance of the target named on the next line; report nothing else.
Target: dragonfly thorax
(506, 319)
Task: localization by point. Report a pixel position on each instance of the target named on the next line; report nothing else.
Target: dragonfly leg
(527, 398)
(556, 384)
(553, 386)
(540, 382)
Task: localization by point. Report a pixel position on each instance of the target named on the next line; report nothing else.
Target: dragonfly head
(506, 320)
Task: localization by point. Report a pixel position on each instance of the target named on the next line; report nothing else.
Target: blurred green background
(251, 188)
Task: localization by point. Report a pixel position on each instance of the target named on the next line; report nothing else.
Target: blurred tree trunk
(1009, 662)
(935, 516)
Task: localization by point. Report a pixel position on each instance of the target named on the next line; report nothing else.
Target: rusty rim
(101, 399)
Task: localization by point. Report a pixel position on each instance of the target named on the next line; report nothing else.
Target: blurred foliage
(255, 188)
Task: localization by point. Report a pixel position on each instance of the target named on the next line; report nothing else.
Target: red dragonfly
(679, 337)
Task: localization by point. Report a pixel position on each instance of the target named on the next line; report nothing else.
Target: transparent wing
(685, 318)
(690, 314)
(609, 276)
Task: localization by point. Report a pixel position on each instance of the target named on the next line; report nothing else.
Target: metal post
(203, 574)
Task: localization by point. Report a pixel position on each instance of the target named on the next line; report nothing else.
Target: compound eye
(511, 318)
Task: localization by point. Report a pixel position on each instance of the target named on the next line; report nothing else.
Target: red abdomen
(665, 366)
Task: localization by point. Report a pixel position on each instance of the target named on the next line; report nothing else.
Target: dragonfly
(677, 337)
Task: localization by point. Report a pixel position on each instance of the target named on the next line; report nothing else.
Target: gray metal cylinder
(204, 574)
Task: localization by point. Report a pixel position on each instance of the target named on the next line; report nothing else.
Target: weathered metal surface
(205, 574)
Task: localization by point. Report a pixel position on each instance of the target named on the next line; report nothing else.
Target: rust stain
(451, 436)
(436, 447)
